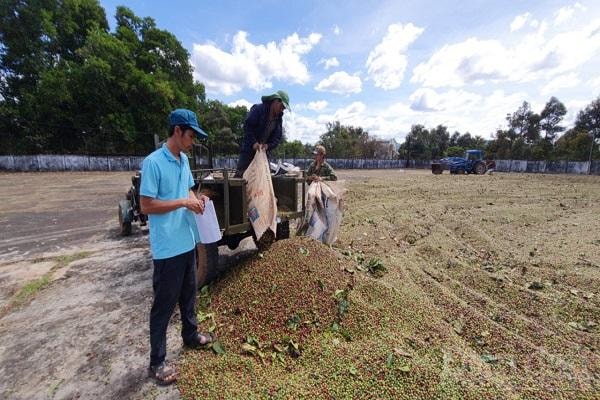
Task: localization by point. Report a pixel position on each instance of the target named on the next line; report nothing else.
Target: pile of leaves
(269, 305)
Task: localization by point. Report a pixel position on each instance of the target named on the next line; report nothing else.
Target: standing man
(319, 169)
(167, 199)
(263, 128)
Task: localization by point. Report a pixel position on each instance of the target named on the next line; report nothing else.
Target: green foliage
(525, 123)
(72, 86)
(351, 142)
(523, 139)
(455, 151)
(424, 144)
(550, 118)
(293, 149)
(574, 145)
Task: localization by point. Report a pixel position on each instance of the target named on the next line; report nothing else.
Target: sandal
(203, 340)
(163, 374)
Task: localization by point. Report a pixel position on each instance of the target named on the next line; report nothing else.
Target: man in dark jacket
(263, 127)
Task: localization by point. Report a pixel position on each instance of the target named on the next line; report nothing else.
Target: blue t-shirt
(166, 178)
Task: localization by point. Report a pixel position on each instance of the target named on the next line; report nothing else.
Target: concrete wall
(131, 163)
(69, 163)
(549, 167)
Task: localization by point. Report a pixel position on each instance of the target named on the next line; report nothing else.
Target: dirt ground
(505, 255)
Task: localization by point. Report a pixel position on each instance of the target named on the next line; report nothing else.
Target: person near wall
(263, 128)
(319, 169)
(169, 202)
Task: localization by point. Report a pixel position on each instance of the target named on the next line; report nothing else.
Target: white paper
(208, 225)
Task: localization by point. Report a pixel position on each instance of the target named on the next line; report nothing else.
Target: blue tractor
(472, 163)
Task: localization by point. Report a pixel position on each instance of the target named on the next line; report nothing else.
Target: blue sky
(386, 65)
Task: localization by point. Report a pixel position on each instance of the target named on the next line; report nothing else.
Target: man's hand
(257, 146)
(193, 204)
(315, 178)
(204, 199)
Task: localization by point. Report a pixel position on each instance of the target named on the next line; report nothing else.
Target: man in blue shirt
(169, 202)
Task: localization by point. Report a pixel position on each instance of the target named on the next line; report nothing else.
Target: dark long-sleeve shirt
(255, 127)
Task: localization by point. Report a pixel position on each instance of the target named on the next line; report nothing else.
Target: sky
(387, 65)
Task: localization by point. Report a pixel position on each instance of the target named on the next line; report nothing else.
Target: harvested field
(491, 291)
(438, 287)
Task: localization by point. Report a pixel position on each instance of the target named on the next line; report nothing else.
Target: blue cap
(182, 116)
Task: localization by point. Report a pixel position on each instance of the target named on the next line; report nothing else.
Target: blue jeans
(174, 281)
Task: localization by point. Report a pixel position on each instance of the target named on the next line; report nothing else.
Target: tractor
(472, 163)
(228, 194)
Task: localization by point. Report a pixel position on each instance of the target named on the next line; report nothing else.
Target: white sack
(324, 210)
(262, 205)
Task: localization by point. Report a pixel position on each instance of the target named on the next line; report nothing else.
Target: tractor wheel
(125, 217)
(207, 262)
(266, 240)
(283, 230)
(479, 168)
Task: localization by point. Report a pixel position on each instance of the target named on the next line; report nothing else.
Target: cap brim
(199, 132)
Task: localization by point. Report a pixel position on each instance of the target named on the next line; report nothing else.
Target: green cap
(281, 95)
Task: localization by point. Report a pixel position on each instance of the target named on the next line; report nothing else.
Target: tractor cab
(474, 155)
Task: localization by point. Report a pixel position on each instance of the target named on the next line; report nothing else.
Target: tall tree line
(69, 85)
(527, 136)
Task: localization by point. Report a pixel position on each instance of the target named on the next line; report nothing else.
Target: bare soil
(507, 267)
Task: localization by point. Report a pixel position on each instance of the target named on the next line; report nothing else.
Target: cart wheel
(124, 217)
(283, 230)
(266, 240)
(207, 261)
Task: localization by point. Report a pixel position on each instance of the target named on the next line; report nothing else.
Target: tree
(440, 137)
(525, 123)
(40, 39)
(237, 116)
(574, 145)
(588, 120)
(344, 141)
(550, 118)
(293, 149)
(500, 147)
(69, 85)
(215, 122)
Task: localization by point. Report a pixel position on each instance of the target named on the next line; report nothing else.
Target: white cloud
(470, 61)
(299, 127)
(425, 99)
(329, 62)
(336, 30)
(241, 102)
(594, 84)
(317, 105)
(573, 108)
(538, 55)
(458, 110)
(252, 66)
(519, 22)
(387, 62)
(561, 82)
(341, 83)
(566, 13)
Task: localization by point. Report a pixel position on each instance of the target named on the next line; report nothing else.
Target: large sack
(324, 210)
(262, 205)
